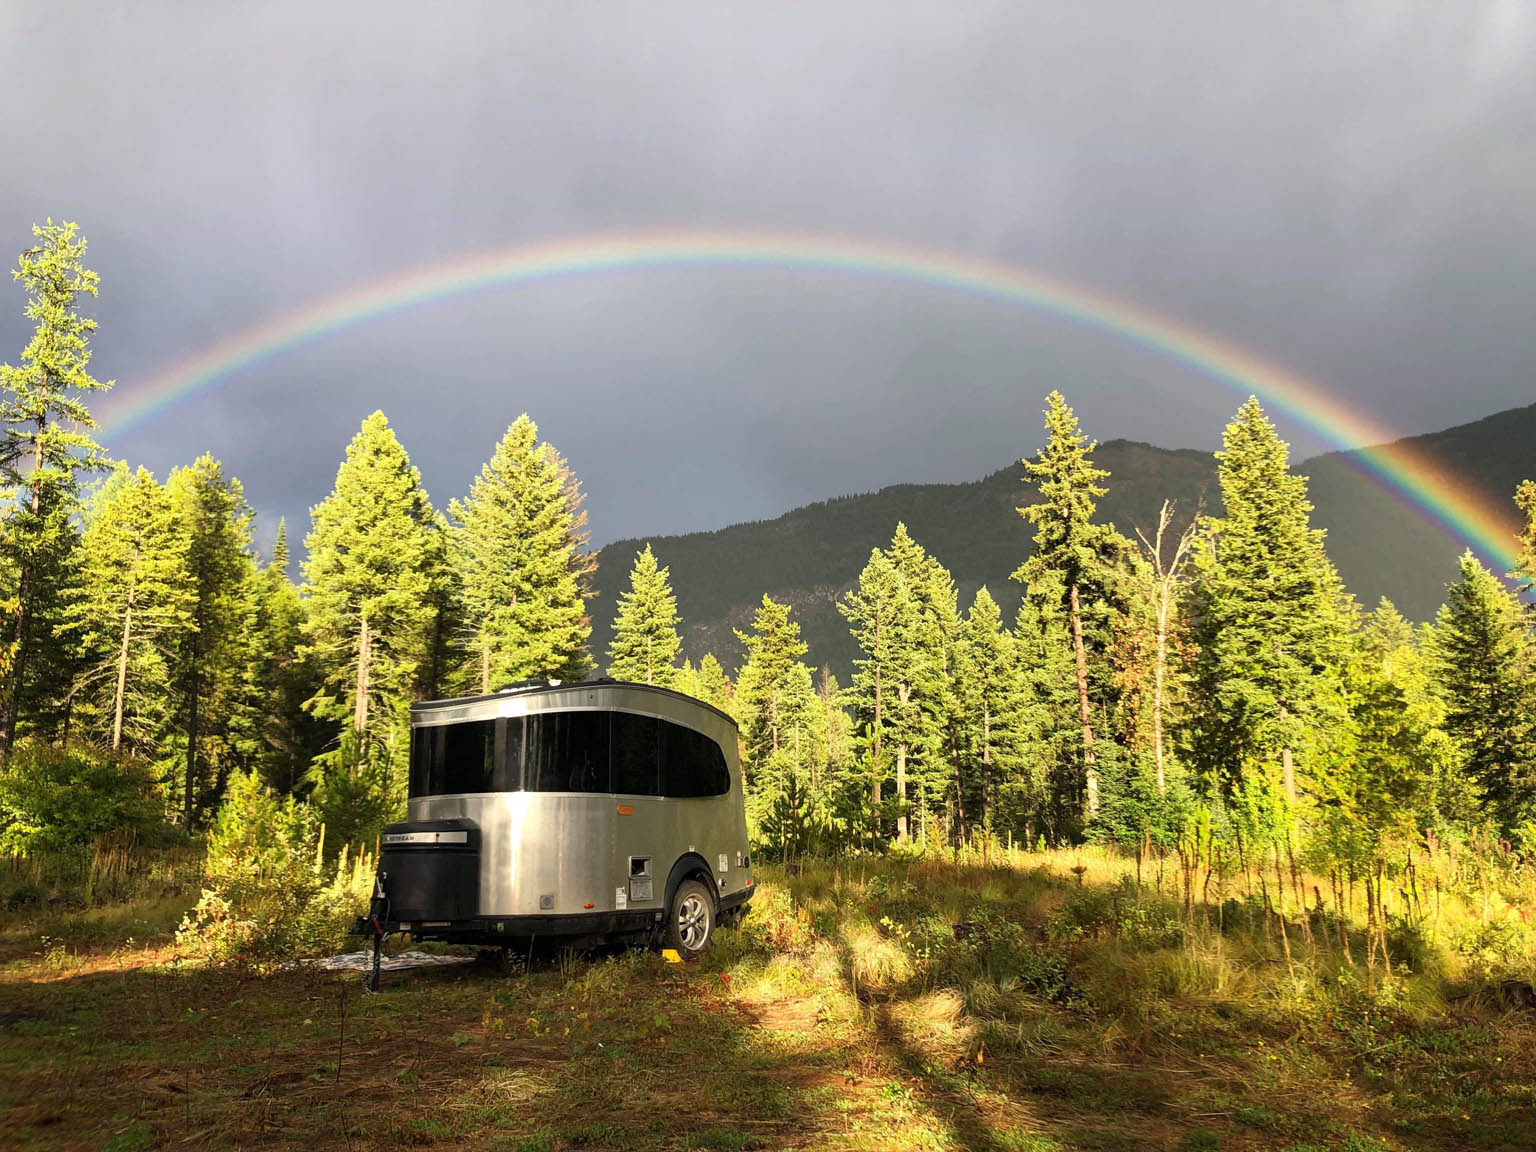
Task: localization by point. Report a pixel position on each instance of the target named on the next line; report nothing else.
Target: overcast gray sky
(1346, 189)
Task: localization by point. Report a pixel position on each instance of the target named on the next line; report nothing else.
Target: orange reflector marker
(626, 809)
(588, 905)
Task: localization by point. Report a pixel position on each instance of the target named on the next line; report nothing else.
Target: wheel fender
(687, 865)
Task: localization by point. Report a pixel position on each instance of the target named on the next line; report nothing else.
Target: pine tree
(645, 639)
(1525, 565)
(1481, 649)
(1068, 544)
(1270, 612)
(926, 744)
(991, 695)
(519, 546)
(883, 618)
(768, 688)
(45, 449)
(287, 737)
(214, 659)
(778, 728)
(133, 602)
(711, 685)
(1048, 796)
(368, 588)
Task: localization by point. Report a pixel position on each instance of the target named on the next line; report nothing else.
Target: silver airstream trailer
(599, 809)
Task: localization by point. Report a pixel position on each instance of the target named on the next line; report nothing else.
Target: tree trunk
(1159, 671)
(194, 697)
(22, 635)
(485, 666)
(901, 793)
(874, 814)
(1082, 702)
(1287, 769)
(954, 753)
(122, 676)
(986, 763)
(360, 704)
(19, 637)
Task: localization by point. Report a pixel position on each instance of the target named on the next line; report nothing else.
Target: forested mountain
(812, 555)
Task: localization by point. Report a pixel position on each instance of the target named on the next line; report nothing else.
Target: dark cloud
(1343, 189)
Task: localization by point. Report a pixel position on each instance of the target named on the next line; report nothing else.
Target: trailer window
(449, 759)
(691, 763)
(566, 752)
(635, 766)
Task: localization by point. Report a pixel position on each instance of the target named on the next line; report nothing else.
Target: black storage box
(431, 870)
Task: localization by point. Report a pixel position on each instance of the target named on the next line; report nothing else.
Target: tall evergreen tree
(1525, 564)
(1080, 553)
(645, 639)
(926, 745)
(287, 737)
(214, 658)
(883, 618)
(519, 546)
(1270, 612)
(778, 712)
(133, 602)
(1047, 798)
(368, 586)
(992, 705)
(769, 692)
(45, 449)
(1482, 651)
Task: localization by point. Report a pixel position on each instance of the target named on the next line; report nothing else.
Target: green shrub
(1494, 948)
(268, 892)
(1118, 912)
(55, 798)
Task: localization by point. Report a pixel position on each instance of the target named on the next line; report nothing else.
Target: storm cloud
(1346, 190)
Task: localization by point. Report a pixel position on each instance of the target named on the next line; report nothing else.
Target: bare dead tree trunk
(485, 666)
(122, 675)
(1167, 585)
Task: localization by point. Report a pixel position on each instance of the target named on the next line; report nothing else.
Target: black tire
(690, 920)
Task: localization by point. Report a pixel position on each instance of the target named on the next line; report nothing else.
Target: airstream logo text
(426, 838)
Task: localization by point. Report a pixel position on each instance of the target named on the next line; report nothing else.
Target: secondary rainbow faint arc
(1407, 472)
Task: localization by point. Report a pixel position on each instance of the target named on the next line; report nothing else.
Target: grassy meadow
(1031, 1002)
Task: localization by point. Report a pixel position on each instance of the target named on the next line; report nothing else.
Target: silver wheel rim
(692, 922)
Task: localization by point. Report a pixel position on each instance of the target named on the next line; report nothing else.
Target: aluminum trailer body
(596, 809)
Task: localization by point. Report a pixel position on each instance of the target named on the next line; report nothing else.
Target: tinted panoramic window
(691, 763)
(448, 759)
(566, 752)
(634, 754)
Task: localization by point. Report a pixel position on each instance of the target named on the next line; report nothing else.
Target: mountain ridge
(810, 555)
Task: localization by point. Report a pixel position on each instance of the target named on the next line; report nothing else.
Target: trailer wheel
(690, 920)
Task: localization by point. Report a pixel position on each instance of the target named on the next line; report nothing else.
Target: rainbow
(1401, 469)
